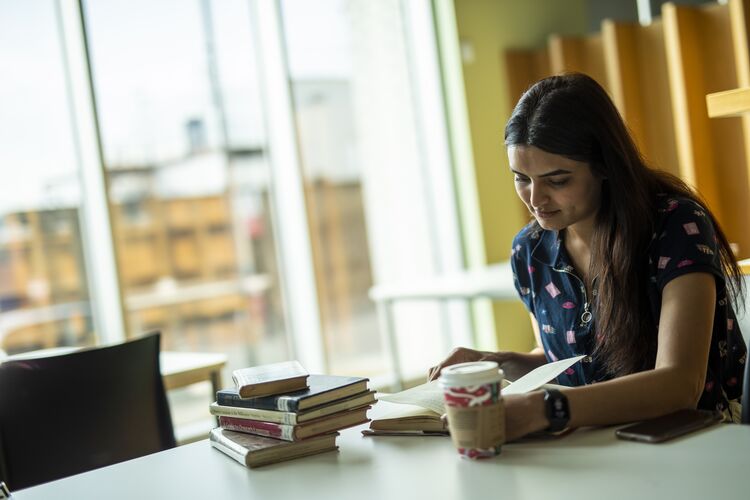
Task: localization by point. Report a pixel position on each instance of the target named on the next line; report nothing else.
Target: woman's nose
(538, 196)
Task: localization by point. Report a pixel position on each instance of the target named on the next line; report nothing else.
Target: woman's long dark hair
(572, 116)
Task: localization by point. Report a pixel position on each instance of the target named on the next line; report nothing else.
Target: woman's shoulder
(681, 211)
(684, 234)
(669, 205)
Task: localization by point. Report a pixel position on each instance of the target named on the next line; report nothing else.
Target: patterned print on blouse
(684, 242)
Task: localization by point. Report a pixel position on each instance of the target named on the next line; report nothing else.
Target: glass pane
(184, 146)
(322, 50)
(44, 299)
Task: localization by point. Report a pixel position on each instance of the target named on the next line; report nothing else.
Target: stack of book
(279, 412)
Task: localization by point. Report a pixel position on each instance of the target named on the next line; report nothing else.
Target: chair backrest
(68, 414)
(746, 395)
(743, 319)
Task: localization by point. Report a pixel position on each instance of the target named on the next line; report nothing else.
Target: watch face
(557, 410)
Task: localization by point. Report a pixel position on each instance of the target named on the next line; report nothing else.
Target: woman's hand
(524, 414)
(514, 364)
(464, 355)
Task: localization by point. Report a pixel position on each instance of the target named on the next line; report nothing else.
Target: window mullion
(98, 244)
(288, 198)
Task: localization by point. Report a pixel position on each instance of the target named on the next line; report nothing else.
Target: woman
(621, 263)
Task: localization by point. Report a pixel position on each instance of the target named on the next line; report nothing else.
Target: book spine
(287, 403)
(273, 403)
(266, 416)
(225, 399)
(270, 429)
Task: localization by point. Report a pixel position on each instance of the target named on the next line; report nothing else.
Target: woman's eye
(521, 179)
(560, 182)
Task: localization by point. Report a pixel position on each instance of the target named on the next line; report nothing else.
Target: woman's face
(559, 192)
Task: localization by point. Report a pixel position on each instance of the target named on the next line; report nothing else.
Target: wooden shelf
(728, 103)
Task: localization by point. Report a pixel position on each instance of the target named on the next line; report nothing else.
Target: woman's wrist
(524, 414)
(536, 412)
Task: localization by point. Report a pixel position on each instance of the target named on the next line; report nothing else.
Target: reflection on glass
(44, 300)
(187, 169)
(322, 49)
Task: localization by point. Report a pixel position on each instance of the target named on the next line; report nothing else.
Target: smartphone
(669, 426)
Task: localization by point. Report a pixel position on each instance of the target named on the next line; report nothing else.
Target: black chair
(63, 415)
(745, 419)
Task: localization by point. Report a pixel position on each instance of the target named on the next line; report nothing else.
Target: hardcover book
(409, 419)
(254, 451)
(297, 432)
(322, 389)
(265, 380)
(290, 417)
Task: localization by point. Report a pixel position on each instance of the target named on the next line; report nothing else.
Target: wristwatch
(556, 410)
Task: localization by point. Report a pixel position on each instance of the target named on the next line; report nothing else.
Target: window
(204, 158)
(181, 124)
(44, 298)
(369, 178)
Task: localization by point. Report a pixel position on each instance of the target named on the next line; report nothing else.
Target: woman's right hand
(464, 355)
(514, 364)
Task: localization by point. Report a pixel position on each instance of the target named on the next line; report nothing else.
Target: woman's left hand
(524, 414)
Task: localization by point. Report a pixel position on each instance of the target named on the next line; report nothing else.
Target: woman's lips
(546, 214)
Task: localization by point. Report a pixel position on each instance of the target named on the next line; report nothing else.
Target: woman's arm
(684, 338)
(514, 364)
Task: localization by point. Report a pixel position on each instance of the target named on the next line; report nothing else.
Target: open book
(421, 407)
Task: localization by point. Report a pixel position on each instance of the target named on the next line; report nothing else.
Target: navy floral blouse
(684, 242)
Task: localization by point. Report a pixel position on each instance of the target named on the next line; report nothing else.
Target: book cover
(322, 389)
(254, 451)
(265, 380)
(297, 432)
(292, 418)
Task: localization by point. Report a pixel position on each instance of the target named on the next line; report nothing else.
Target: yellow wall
(486, 28)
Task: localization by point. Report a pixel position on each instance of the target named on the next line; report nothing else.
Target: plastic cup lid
(471, 373)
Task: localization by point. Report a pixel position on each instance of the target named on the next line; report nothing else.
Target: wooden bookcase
(659, 76)
(584, 54)
(733, 104)
(639, 85)
(711, 153)
(523, 68)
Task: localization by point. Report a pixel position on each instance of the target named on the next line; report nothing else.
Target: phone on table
(660, 429)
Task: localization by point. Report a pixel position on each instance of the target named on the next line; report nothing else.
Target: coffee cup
(476, 416)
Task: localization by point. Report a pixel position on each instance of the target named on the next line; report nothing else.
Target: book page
(408, 410)
(430, 395)
(540, 376)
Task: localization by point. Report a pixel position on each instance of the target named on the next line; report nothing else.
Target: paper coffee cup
(476, 415)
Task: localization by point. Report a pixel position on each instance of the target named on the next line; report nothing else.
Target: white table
(493, 282)
(589, 464)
